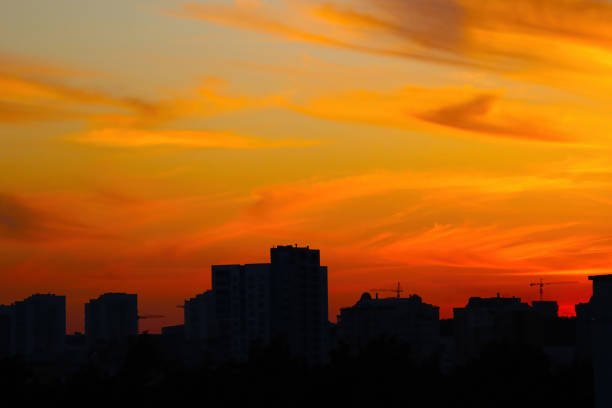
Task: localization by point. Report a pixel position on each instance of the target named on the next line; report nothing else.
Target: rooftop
(600, 277)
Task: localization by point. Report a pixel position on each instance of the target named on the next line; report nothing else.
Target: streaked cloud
(559, 35)
(258, 20)
(463, 110)
(29, 223)
(475, 116)
(127, 137)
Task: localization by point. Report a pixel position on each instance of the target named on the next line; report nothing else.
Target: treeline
(505, 375)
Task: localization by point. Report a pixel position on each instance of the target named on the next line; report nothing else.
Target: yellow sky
(459, 147)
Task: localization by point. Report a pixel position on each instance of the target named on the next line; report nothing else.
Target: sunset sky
(461, 147)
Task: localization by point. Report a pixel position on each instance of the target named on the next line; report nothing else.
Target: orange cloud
(463, 227)
(523, 37)
(22, 89)
(129, 121)
(463, 110)
(11, 63)
(457, 109)
(475, 115)
(126, 137)
(247, 18)
(27, 222)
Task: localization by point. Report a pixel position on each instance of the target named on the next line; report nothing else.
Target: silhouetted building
(111, 318)
(242, 301)
(40, 327)
(489, 320)
(508, 320)
(254, 304)
(601, 338)
(174, 344)
(76, 350)
(201, 324)
(7, 331)
(299, 302)
(408, 321)
(546, 309)
(584, 340)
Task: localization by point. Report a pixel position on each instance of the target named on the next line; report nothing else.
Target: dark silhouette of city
(261, 336)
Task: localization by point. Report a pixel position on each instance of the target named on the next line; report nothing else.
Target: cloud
(257, 20)
(125, 137)
(20, 220)
(427, 23)
(475, 116)
(491, 33)
(585, 21)
(25, 89)
(16, 219)
(460, 110)
(134, 122)
(11, 63)
(309, 207)
(21, 112)
(25, 99)
(515, 37)
(457, 109)
(519, 45)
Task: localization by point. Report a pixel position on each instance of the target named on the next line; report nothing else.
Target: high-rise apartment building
(599, 315)
(299, 301)
(253, 304)
(40, 327)
(200, 329)
(242, 302)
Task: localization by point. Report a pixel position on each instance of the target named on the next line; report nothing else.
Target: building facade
(489, 320)
(407, 321)
(300, 302)
(7, 331)
(40, 327)
(599, 315)
(200, 326)
(251, 305)
(111, 318)
(242, 301)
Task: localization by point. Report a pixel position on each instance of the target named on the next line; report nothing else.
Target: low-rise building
(489, 320)
(7, 331)
(408, 321)
(111, 318)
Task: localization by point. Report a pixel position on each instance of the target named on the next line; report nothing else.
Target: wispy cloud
(21, 220)
(131, 121)
(475, 116)
(182, 138)
(463, 110)
(504, 36)
(257, 20)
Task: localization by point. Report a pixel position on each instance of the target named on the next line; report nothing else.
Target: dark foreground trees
(381, 375)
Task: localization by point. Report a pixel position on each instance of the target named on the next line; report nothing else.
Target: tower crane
(541, 285)
(398, 290)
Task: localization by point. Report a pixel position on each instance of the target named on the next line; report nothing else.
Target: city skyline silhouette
(259, 314)
(160, 316)
(450, 160)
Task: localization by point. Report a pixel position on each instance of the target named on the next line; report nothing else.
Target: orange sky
(462, 148)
